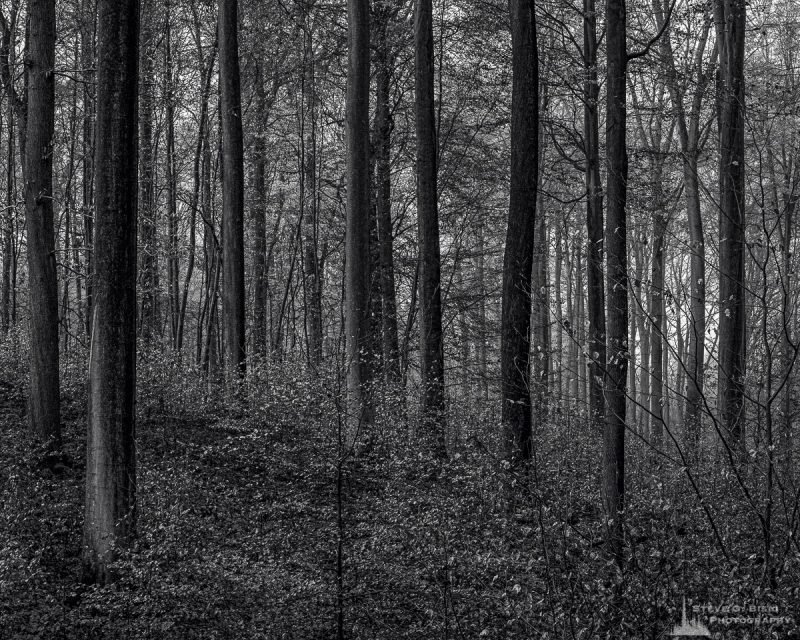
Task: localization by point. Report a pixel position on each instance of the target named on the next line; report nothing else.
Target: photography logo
(689, 628)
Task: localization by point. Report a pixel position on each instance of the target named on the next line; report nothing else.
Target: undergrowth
(239, 529)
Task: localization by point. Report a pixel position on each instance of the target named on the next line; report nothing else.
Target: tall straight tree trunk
(518, 261)
(791, 194)
(680, 382)
(383, 203)
(541, 310)
(88, 29)
(572, 348)
(194, 203)
(596, 339)
(430, 295)
(44, 398)
(633, 389)
(689, 137)
(480, 341)
(232, 190)
(111, 452)
(173, 265)
(148, 235)
(559, 360)
(617, 277)
(259, 215)
(639, 310)
(17, 120)
(697, 306)
(71, 262)
(312, 285)
(9, 226)
(540, 290)
(17, 100)
(729, 18)
(657, 317)
(357, 257)
(580, 328)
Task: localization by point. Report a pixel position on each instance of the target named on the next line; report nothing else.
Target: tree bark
(259, 216)
(617, 276)
(194, 203)
(312, 277)
(430, 295)
(43, 405)
(791, 195)
(148, 214)
(111, 453)
(518, 260)
(357, 257)
(729, 18)
(596, 339)
(383, 203)
(9, 230)
(17, 117)
(480, 340)
(657, 318)
(232, 190)
(173, 257)
(88, 59)
(689, 137)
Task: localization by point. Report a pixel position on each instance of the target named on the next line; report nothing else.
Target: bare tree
(688, 126)
(111, 453)
(44, 398)
(596, 342)
(518, 261)
(430, 294)
(148, 233)
(232, 189)
(729, 19)
(384, 59)
(617, 277)
(357, 258)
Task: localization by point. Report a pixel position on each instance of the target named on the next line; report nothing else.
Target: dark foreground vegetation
(239, 529)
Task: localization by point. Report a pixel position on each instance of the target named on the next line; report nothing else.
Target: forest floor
(239, 530)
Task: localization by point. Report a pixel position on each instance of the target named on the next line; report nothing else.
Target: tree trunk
(569, 323)
(580, 328)
(312, 281)
(518, 260)
(148, 216)
(44, 395)
(88, 59)
(173, 264)
(791, 184)
(383, 203)
(617, 276)
(194, 203)
(540, 289)
(9, 230)
(689, 137)
(729, 18)
(259, 213)
(480, 341)
(639, 310)
(596, 339)
(559, 363)
(232, 190)
(541, 311)
(430, 295)
(111, 452)
(657, 317)
(17, 116)
(357, 258)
